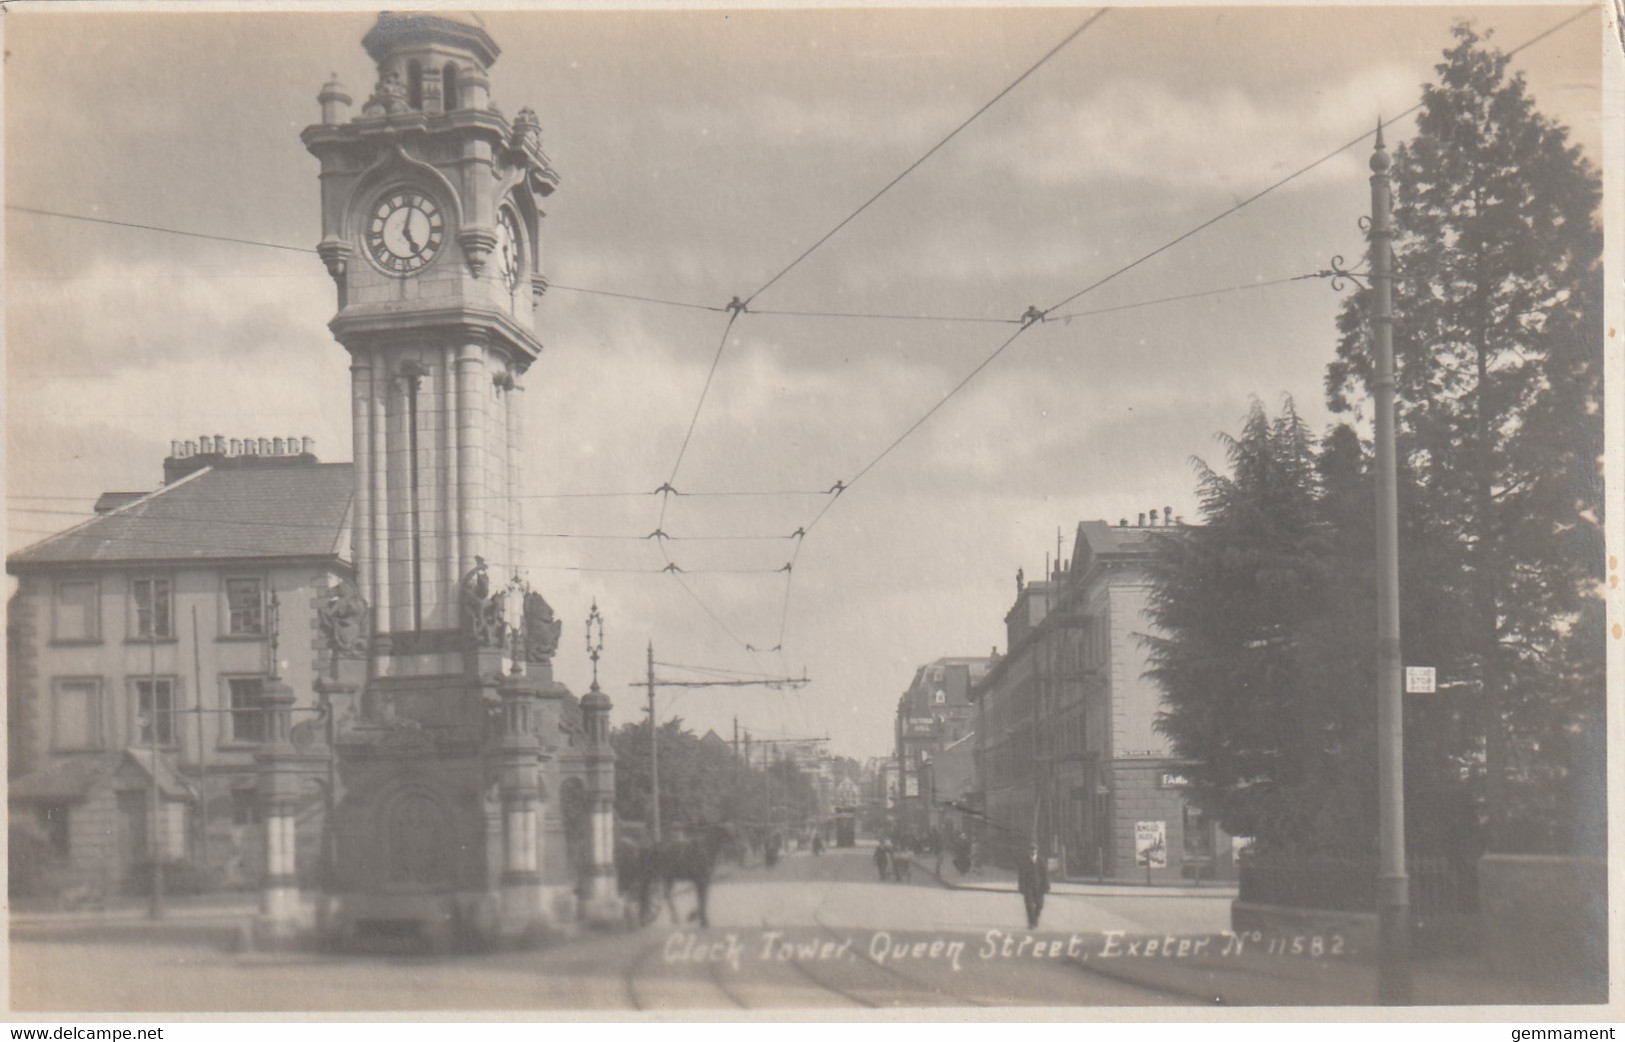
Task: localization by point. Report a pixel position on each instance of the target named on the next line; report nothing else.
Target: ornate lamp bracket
(1339, 275)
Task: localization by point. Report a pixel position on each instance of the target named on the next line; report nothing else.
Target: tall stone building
(1067, 751)
(475, 793)
(171, 609)
(935, 715)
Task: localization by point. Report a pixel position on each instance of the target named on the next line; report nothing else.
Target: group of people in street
(1032, 870)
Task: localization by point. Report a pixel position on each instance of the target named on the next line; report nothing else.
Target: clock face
(405, 231)
(508, 263)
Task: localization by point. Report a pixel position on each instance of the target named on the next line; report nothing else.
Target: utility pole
(654, 751)
(202, 765)
(155, 903)
(1393, 886)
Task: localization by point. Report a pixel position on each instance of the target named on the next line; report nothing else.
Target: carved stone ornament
(343, 620)
(482, 609)
(527, 130)
(477, 245)
(336, 255)
(388, 97)
(406, 739)
(541, 629)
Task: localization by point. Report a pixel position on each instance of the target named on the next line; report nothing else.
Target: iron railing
(1438, 885)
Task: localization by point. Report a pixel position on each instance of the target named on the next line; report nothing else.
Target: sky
(701, 153)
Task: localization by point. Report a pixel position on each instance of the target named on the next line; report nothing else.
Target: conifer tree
(1497, 343)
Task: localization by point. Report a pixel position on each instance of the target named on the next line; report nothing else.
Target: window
(247, 708)
(145, 689)
(77, 615)
(76, 715)
(414, 86)
(245, 607)
(448, 88)
(152, 615)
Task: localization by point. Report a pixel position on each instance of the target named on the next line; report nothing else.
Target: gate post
(280, 916)
(603, 898)
(522, 905)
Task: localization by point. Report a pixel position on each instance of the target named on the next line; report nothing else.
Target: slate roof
(218, 513)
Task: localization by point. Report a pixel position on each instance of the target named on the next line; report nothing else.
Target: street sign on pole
(1421, 680)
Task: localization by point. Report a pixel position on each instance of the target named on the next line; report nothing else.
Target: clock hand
(406, 230)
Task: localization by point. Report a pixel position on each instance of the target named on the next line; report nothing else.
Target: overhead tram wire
(737, 307)
(148, 515)
(41, 212)
(1040, 316)
(1073, 35)
(1289, 178)
(257, 549)
(637, 297)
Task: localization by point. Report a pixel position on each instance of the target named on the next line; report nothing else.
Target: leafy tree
(1233, 599)
(703, 783)
(1267, 657)
(697, 782)
(1498, 363)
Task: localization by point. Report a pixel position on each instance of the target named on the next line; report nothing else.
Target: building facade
(184, 601)
(378, 663)
(1067, 750)
(475, 793)
(934, 715)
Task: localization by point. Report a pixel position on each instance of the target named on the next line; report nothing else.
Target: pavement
(1258, 977)
(1003, 880)
(1258, 970)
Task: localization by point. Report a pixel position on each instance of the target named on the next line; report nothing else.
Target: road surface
(814, 933)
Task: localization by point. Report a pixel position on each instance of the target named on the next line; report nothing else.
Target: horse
(691, 858)
(634, 870)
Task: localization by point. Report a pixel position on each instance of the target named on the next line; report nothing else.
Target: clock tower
(452, 744)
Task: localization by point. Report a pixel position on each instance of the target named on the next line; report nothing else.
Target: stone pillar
(452, 549)
(522, 905)
(281, 916)
(471, 490)
(603, 904)
(361, 447)
(381, 517)
(511, 399)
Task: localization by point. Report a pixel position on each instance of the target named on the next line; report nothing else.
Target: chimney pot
(236, 446)
(191, 447)
(220, 444)
(276, 446)
(174, 448)
(1141, 523)
(265, 446)
(309, 445)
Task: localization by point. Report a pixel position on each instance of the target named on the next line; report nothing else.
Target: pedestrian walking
(883, 859)
(1032, 879)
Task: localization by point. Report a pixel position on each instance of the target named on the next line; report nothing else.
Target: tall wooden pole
(155, 846)
(654, 752)
(1393, 886)
(202, 763)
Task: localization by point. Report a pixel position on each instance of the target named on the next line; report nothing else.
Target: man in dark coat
(1032, 879)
